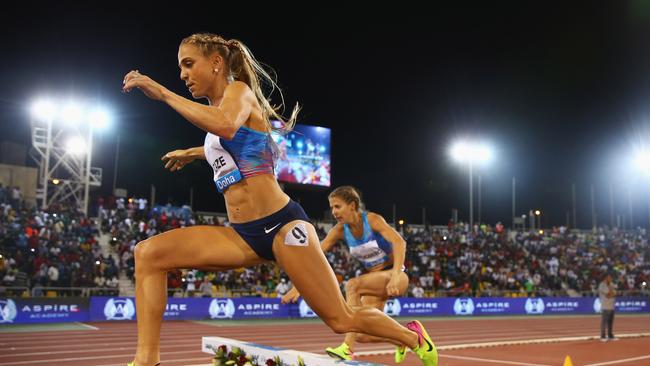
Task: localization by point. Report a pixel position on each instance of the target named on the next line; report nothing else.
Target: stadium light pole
(642, 162)
(117, 159)
(58, 149)
(471, 153)
(89, 156)
(44, 110)
(97, 119)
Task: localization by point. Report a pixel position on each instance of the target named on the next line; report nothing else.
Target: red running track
(113, 344)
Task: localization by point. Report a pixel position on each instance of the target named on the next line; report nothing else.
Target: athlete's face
(343, 212)
(197, 70)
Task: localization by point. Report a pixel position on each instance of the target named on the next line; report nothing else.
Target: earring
(216, 70)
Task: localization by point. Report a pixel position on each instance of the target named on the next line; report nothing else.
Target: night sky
(561, 90)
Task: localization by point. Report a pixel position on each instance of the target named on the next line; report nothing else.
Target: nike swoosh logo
(271, 229)
(429, 343)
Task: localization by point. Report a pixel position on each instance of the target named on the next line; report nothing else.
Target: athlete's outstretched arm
(223, 120)
(335, 234)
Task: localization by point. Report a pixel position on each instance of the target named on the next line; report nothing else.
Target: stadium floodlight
(471, 153)
(76, 146)
(538, 215)
(72, 114)
(99, 118)
(458, 151)
(43, 110)
(642, 161)
(484, 154)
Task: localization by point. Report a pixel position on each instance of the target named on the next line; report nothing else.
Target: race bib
(226, 172)
(297, 236)
(370, 254)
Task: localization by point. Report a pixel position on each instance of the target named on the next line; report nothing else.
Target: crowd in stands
(60, 248)
(53, 248)
(492, 261)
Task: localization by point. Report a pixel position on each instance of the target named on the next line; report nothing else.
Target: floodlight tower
(471, 153)
(62, 140)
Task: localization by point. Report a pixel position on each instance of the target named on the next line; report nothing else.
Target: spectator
(190, 282)
(9, 279)
(113, 282)
(53, 276)
(3, 194)
(16, 198)
(417, 291)
(607, 295)
(282, 288)
(206, 287)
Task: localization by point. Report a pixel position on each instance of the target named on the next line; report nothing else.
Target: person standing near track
(380, 249)
(266, 225)
(607, 295)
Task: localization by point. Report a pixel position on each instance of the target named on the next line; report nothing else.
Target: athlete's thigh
(297, 250)
(205, 247)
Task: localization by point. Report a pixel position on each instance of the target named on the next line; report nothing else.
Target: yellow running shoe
(425, 350)
(341, 352)
(400, 354)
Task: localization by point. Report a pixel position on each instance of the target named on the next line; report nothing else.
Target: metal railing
(14, 291)
(74, 291)
(513, 293)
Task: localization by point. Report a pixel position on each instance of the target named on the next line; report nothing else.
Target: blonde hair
(244, 67)
(349, 195)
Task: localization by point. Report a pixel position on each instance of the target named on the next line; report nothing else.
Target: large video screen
(304, 156)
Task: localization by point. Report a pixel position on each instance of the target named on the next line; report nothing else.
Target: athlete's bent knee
(145, 253)
(352, 287)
